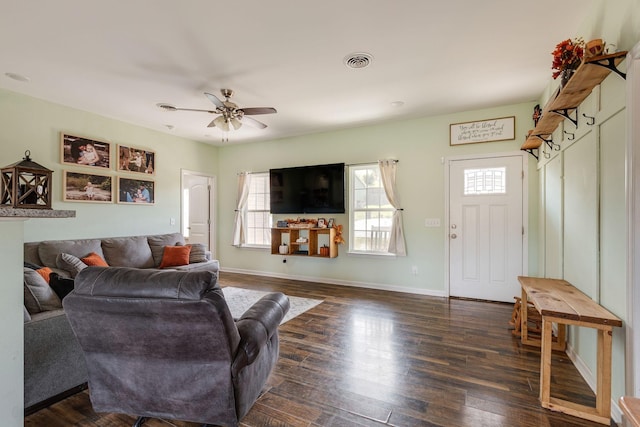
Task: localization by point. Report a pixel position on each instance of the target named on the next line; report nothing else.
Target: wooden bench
(559, 302)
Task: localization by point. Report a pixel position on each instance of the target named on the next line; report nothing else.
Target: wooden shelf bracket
(610, 63)
(552, 145)
(530, 151)
(566, 113)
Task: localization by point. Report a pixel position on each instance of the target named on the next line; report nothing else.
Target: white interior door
(486, 227)
(197, 208)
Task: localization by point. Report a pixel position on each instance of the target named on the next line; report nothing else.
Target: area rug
(239, 300)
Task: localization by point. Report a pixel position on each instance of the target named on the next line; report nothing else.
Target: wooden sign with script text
(501, 129)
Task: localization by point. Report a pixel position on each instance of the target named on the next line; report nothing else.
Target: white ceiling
(121, 58)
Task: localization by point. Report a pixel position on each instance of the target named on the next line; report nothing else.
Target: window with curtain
(257, 216)
(370, 213)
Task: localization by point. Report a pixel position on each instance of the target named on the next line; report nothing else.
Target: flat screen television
(307, 189)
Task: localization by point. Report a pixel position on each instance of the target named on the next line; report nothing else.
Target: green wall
(35, 125)
(419, 145)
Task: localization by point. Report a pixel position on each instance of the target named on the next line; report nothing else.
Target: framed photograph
(87, 187)
(330, 223)
(136, 191)
(322, 223)
(81, 151)
(501, 129)
(138, 160)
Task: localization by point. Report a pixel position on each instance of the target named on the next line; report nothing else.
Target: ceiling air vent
(358, 60)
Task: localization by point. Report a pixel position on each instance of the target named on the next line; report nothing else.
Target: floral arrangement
(567, 55)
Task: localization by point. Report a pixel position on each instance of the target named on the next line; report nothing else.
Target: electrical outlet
(172, 221)
(432, 222)
(414, 270)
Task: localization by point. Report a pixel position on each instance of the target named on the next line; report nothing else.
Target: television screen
(307, 189)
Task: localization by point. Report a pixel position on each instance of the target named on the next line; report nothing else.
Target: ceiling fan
(231, 117)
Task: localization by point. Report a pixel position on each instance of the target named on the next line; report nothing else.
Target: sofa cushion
(93, 259)
(174, 256)
(27, 316)
(38, 295)
(159, 241)
(70, 263)
(198, 253)
(45, 272)
(128, 252)
(32, 266)
(49, 250)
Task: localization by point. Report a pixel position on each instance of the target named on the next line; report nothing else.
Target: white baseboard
(378, 286)
(587, 375)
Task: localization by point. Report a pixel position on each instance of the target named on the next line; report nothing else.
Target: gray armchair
(163, 344)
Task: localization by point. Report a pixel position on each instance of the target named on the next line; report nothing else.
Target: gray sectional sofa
(53, 360)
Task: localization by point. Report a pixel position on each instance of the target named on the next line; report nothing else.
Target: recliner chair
(163, 344)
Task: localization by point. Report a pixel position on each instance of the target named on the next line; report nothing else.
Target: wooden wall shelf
(314, 241)
(587, 76)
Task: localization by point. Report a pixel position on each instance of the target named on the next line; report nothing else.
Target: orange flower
(567, 55)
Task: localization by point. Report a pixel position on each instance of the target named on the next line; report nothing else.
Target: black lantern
(26, 184)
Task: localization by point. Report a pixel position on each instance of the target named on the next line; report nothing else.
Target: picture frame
(136, 191)
(136, 160)
(87, 187)
(489, 130)
(322, 223)
(82, 151)
(330, 223)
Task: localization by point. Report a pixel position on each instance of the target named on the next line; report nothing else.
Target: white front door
(197, 202)
(485, 227)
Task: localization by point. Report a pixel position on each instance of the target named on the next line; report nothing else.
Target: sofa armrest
(257, 325)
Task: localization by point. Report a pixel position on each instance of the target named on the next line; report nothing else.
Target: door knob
(454, 235)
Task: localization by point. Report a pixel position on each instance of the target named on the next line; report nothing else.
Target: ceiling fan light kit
(231, 117)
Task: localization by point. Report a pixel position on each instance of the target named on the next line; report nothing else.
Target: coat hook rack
(570, 135)
(591, 120)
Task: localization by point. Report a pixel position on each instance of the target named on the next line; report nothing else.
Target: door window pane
(485, 181)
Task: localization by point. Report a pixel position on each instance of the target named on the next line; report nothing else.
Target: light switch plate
(432, 222)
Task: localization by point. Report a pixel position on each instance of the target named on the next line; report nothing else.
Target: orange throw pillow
(175, 256)
(45, 272)
(95, 260)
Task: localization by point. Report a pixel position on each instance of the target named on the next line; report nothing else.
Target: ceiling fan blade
(257, 110)
(253, 122)
(195, 109)
(216, 101)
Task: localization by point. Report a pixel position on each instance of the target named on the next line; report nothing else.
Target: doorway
(197, 208)
(486, 234)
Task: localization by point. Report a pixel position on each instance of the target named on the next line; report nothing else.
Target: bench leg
(603, 386)
(545, 362)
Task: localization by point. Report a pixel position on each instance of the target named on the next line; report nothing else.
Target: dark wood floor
(372, 358)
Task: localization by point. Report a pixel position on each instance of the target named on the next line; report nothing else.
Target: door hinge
(523, 230)
(522, 175)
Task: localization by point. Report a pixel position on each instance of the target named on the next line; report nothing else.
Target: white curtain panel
(239, 233)
(396, 238)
